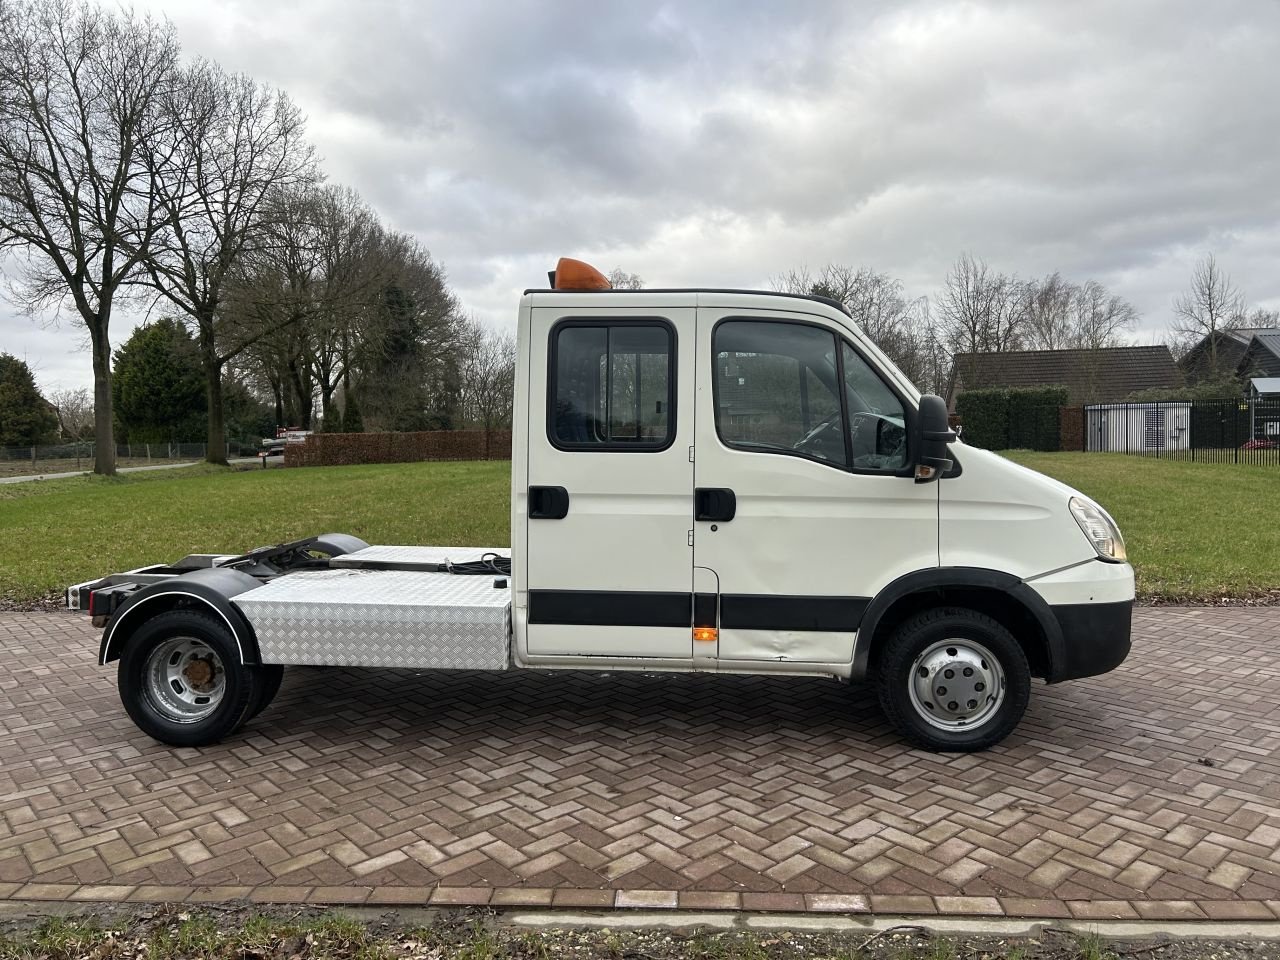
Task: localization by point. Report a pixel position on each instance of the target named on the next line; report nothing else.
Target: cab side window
(612, 385)
(777, 389)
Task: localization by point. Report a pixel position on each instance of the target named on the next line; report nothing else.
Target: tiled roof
(1269, 339)
(1090, 376)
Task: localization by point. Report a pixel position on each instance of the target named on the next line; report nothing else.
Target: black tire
(266, 684)
(171, 710)
(953, 642)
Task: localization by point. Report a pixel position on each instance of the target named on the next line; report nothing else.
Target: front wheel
(953, 679)
(181, 679)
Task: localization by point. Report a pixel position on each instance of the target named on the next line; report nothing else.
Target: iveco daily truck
(701, 480)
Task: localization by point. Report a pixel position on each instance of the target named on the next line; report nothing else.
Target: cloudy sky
(719, 143)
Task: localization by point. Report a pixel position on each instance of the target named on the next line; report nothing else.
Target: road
(1151, 792)
(156, 466)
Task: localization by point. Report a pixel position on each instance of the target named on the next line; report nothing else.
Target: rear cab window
(612, 385)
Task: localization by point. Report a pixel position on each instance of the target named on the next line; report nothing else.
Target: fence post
(33, 457)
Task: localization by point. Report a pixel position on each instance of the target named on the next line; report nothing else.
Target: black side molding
(764, 612)
(639, 608)
(608, 608)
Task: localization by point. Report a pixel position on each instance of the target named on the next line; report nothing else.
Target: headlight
(1100, 529)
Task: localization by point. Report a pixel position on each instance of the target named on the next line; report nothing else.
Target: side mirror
(933, 435)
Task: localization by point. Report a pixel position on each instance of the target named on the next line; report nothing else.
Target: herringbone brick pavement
(1152, 791)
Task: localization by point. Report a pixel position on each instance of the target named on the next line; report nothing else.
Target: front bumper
(1093, 605)
(1095, 638)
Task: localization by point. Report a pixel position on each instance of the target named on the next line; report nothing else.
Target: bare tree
(1100, 317)
(1061, 315)
(487, 375)
(409, 357)
(79, 92)
(1262, 317)
(350, 271)
(335, 304)
(1210, 309)
(1048, 308)
(897, 324)
(74, 406)
(621, 280)
(229, 144)
(271, 296)
(981, 311)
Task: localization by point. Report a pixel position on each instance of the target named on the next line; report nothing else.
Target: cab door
(805, 506)
(610, 563)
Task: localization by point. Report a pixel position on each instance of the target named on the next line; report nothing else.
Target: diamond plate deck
(383, 618)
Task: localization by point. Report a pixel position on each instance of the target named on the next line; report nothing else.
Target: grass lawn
(58, 532)
(1194, 531)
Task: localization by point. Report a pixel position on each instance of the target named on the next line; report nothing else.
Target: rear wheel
(266, 684)
(953, 679)
(181, 680)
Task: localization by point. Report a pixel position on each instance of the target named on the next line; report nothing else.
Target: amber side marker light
(706, 634)
(571, 274)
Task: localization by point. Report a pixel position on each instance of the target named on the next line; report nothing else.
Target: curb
(504, 898)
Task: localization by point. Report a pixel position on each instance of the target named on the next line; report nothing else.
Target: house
(1262, 356)
(1105, 375)
(1243, 353)
(1264, 409)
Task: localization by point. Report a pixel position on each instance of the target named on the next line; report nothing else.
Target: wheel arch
(209, 590)
(1001, 596)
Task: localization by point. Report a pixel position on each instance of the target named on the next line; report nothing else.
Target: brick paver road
(1153, 791)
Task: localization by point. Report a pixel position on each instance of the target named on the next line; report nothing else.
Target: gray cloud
(719, 143)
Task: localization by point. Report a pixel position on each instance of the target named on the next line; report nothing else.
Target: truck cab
(734, 481)
(709, 480)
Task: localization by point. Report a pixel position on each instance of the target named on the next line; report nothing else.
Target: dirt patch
(50, 603)
(1261, 598)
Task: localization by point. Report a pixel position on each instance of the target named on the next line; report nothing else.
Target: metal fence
(72, 456)
(1219, 431)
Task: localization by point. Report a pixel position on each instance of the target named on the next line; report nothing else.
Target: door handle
(714, 503)
(548, 503)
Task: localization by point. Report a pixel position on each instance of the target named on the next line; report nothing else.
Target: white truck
(701, 480)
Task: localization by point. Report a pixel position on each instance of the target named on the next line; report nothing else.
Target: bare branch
(79, 94)
(1208, 311)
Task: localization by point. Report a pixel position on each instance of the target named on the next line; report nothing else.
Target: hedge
(334, 449)
(1023, 418)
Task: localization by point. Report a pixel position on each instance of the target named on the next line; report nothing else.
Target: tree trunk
(216, 440)
(104, 460)
(278, 394)
(326, 406)
(216, 451)
(302, 395)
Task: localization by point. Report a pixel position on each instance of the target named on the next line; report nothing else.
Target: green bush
(352, 421)
(1224, 388)
(984, 414)
(1022, 418)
